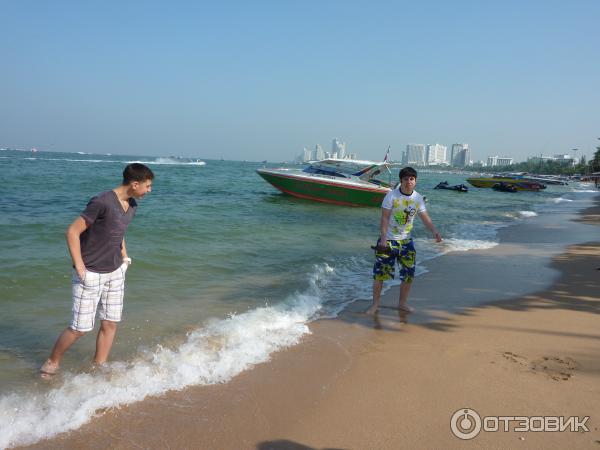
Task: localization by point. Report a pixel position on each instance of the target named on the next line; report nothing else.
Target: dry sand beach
(495, 331)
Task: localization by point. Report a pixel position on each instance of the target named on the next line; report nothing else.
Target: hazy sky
(261, 80)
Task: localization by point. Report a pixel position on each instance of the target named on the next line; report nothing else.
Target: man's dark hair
(137, 172)
(408, 172)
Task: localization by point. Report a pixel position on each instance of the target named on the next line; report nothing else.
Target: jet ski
(456, 187)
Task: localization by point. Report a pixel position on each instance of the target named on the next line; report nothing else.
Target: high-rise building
(460, 155)
(414, 155)
(436, 154)
(319, 154)
(465, 156)
(338, 148)
(307, 155)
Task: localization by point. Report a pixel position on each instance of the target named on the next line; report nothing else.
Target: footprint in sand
(559, 369)
(513, 357)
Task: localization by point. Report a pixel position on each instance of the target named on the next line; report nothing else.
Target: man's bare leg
(104, 341)
(66, 339)
(404, 291)
(377, 287)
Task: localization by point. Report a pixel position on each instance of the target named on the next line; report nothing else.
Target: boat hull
(520, 184)
(326, 191)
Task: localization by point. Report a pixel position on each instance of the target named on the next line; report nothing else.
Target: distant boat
(521, 184)
(547, 180)
(336, 181)
(34, 150)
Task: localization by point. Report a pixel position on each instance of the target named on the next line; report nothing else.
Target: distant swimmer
(399, 208)
(96, 242)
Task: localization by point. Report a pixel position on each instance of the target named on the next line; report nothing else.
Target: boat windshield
(346, 168)
(324, 171)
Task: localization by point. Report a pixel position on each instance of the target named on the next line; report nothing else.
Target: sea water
(226, 270)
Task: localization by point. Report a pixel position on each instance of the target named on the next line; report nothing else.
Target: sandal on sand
(48, 369)
(406, 308)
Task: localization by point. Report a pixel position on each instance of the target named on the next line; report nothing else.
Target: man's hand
(438, 237)
(382, 246)
(80, 272)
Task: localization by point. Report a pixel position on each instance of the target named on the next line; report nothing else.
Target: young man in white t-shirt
(399, 208)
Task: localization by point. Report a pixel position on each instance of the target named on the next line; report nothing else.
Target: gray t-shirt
(107, 222)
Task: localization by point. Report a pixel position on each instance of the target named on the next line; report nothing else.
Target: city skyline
(460, 159)
(261, 81)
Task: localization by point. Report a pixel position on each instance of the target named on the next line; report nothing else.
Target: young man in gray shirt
(96, 241)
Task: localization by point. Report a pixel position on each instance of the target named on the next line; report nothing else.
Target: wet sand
(489, 335)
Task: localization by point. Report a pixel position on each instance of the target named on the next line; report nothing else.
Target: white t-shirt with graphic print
(404, 209)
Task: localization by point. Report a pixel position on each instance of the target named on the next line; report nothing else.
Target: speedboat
(456, 187)
(336, 181)
(520, 184)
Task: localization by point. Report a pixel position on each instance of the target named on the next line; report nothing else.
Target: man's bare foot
(406, 308)
(48, 370)
(374, 309)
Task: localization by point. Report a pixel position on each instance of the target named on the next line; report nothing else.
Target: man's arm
(123, 249)
(73, 232)
(429, 224)
(383, 227)
(126, 258)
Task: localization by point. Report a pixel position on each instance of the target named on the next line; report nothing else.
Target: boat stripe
(318, 199)
(325, 182)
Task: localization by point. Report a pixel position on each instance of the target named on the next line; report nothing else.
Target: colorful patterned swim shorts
(404, 252)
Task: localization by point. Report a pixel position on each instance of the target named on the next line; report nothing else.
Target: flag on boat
(387, 154)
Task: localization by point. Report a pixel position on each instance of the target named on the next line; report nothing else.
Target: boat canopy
(347, 168)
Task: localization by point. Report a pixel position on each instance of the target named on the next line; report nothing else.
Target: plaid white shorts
(104, 289)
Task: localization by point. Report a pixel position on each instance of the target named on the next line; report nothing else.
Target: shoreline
(360, 383)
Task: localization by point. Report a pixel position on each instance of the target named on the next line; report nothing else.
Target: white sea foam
(463, 245)
(172, 161)
(214, 353)
(528, 213)
(341, 284)
(520, 214)
(586, 190)
(561, 200)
